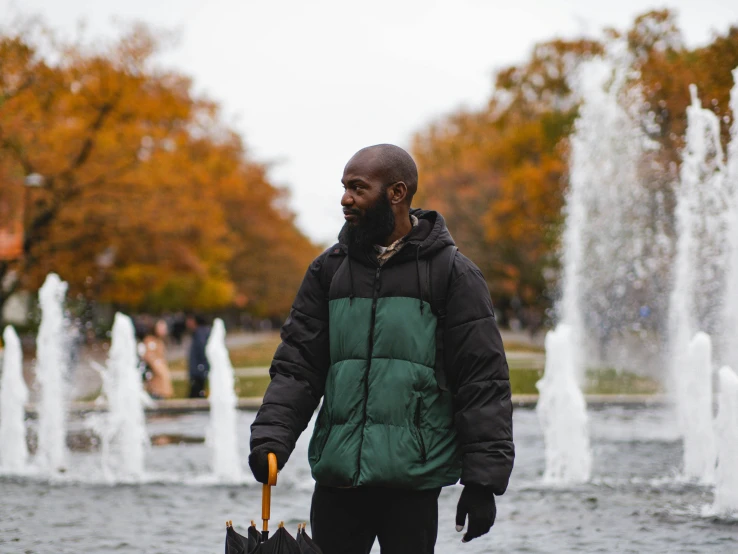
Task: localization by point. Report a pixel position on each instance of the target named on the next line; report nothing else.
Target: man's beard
(377, 223)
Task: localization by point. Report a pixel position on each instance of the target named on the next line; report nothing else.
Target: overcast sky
(308, 83)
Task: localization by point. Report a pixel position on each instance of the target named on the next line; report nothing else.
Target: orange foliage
(499, 174)
(146, 200)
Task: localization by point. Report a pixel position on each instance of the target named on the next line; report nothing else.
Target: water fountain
(13, 398)
(615, 243)
(51, 373)
(726, 427)
(703, 254)
(222, 432)
(562, 412)
(730, 314)
(699, 437)
(123, 431)
(726, 422)
(611, 243)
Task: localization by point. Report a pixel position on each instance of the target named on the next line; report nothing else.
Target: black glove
(479, 504)
(259, 461)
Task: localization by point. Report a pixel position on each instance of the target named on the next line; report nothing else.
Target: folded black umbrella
(306, 544)
(280, 543)
(235, 543)
(238, 544)
(260, 543)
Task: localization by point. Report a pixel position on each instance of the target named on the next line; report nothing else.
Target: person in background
(178, 327)
(158, 378)
(198, 361)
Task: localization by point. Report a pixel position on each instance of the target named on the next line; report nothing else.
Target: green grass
(246, 387)
(601, 381)
(254, 355)
(522, 381)
(511, 345)
(612, 381)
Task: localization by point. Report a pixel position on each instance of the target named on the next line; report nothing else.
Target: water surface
(635, 503)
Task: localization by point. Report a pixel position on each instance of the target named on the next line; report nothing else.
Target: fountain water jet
(726, 428)
(51, 374)
(703, 251)
(562, 412)
(222, 432)
(13, 398)
(123, 433)
(615, 245)
(730, 314)
(611, 248)
(699, 438)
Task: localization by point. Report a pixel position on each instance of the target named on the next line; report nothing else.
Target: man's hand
(259, 461)
(479, 504)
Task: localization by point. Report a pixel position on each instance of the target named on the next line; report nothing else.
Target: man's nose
(347, 199)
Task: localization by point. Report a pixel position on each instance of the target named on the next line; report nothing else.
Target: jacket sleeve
(298, 370)
(479, 377)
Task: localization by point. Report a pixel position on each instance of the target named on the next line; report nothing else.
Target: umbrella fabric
(306, 544)
(238, 544)
(235, 543)
(254, 540)
(280, 543)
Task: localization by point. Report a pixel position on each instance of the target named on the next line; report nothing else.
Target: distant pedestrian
(198, 361)
(177, 327)
(158, 378)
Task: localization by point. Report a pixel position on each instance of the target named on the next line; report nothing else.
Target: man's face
(366, 207)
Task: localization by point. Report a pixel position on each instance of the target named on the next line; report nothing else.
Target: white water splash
(615, 247)
(730, 315)
(222, 433)
(726, 428)
(703, 247)
(51, 375)
(13, 398)
(562, 412)
(123, 431)
(699, 437)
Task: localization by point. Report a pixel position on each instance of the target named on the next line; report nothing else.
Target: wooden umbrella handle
(272, 457)
(266, 494)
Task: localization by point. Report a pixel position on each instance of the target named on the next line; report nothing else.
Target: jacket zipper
(375, 296)
(418, 405)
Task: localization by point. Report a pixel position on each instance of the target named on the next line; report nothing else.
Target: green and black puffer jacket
(363, 338)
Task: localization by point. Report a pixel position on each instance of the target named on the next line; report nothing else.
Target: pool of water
(635, 502)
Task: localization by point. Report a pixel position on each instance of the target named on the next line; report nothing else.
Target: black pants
(197, 387)
(346, 521)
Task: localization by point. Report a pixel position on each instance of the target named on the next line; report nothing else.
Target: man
(401, 416)
(198, 362)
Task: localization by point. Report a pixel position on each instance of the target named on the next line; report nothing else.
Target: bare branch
(105, 110)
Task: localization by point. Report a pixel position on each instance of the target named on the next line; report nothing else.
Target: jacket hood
(429, 236)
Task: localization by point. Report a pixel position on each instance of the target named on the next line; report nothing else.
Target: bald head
(389, 163)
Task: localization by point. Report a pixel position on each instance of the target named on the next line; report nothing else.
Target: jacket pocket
(416, 427)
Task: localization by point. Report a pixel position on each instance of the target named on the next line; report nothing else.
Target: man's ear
(397, 192)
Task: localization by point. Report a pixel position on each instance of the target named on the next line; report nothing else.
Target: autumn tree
(135, 178)
(499, 174)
